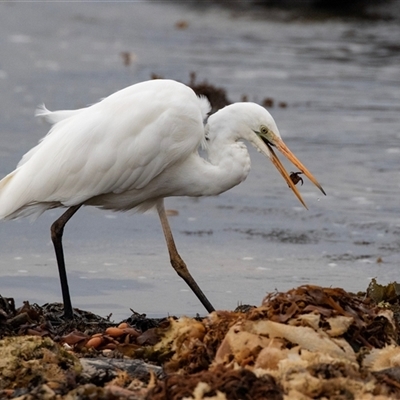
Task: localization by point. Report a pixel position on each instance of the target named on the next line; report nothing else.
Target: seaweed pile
(309, 342)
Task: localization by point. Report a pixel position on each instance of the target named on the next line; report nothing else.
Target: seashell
(115, 332)
(94, 342)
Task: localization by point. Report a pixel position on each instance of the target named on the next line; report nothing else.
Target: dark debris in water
(308, 342)
(282, 235)
(217, 96)
(314, 10)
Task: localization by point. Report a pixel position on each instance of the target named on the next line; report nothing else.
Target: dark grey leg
(57, 230)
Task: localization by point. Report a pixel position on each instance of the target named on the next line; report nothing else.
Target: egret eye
(266, 135)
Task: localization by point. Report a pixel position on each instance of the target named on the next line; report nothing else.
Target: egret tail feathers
(52, 117)
(14, 203)
(5, 206)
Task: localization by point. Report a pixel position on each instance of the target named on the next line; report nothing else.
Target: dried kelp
(308, 342)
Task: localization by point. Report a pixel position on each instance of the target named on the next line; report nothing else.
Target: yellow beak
(281, 146)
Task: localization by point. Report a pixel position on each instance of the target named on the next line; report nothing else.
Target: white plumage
(114, 146)
(136, 147)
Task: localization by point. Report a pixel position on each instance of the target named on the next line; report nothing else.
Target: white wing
(116, 145)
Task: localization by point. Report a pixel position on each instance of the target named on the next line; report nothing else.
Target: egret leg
(176, 261)
(57, 230)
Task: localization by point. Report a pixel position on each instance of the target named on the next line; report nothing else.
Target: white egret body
(133, 149)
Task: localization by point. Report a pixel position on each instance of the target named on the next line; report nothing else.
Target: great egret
(133, 149)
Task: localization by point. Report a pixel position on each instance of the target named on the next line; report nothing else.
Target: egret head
(255, 124)
(266, 137)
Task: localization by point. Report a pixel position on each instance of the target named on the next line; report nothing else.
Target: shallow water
(341, 83)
